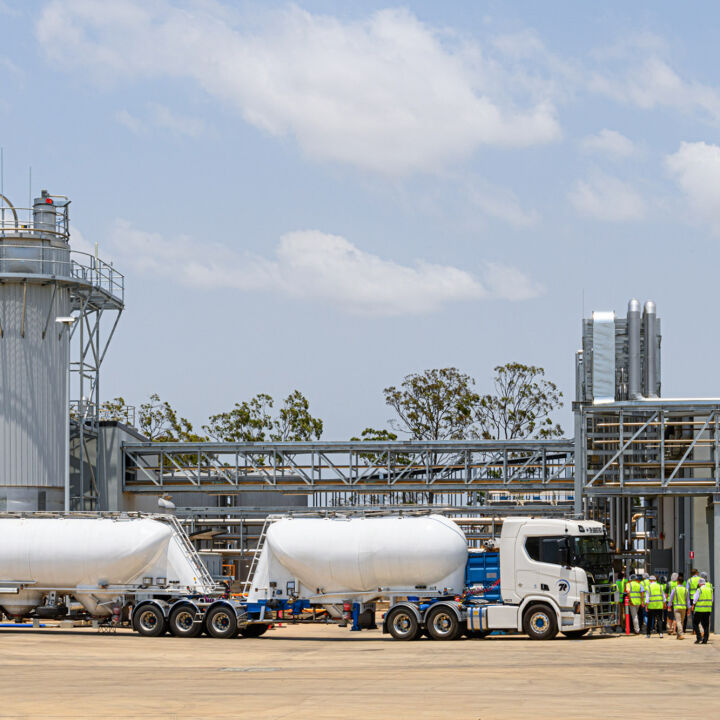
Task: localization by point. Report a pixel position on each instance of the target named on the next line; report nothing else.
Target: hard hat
(704, 575)
(674, 577)
(701, 581)
(652, 577)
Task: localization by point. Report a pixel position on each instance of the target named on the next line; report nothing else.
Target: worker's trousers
(655, 616)
(634, 617)
(701, 621)
(679, 613)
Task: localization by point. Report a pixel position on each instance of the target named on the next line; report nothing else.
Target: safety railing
(21, 222)
(31, 259)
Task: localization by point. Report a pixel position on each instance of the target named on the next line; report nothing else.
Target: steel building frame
(649, 448)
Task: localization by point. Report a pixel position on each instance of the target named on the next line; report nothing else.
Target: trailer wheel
(573, 634)
(402, 624)
(255, 630)
(221, 622)
(442, 623)
(149, 621)
(182, 622)
(539, 622)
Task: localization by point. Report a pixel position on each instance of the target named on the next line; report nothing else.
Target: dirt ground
(330, 672)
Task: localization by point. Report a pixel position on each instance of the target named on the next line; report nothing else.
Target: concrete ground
(329, 672)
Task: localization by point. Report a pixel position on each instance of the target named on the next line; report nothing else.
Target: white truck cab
(555, 575)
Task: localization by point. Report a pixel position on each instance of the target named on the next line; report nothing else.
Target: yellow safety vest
(704, 602)
(680, 598)
(635, 592)
(693, 583)
(656, 597)
(619, 589)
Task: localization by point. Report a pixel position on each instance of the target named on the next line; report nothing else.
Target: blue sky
(328, 196)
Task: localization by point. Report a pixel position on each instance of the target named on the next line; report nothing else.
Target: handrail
(20, 227)
(24, 259)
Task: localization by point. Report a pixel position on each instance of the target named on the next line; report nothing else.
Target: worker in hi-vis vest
(655, 603)
(678, 601)
(702, 603)
(672, 584)
(635, 592)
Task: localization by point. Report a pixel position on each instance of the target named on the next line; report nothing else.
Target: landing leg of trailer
(356, 617)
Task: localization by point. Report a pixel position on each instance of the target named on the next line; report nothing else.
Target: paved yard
(329, 672)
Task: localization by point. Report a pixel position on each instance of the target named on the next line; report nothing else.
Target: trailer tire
(442, 623)
(255, 630)
(402, 624)
(181, 622)
(539, 622)
(574, 634)
(221, 623)
(149, 621)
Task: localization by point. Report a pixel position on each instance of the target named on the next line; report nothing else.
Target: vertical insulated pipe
(650, 350)
(634, 364)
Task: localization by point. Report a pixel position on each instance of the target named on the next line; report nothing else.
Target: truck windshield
(593, 555)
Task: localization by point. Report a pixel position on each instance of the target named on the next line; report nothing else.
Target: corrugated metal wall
(33, 403)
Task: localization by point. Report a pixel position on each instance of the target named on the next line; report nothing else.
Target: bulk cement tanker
(545, 576)
(118, 566)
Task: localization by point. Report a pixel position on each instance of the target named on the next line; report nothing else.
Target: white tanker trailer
(121, 567)
(545, 576)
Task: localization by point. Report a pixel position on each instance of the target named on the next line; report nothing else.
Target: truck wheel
(254, 630)
(149, 621)
(403, 624)
(539, 622)
(572, 634)
(182, 622)
(442, 624)
(221, 623)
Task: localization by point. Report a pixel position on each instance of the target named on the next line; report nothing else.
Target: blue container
(482, 576)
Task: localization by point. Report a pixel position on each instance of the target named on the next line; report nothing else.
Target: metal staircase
(203, 575)
(247, 584)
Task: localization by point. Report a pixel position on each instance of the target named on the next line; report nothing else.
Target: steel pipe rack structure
(513, 466)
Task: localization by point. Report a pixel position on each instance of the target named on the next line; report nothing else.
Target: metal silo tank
(35, 274)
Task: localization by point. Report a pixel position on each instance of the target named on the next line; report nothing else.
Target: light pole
(66, 322)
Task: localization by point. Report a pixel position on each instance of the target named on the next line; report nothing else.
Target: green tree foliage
(520, 406)
(433, 405)
(248, 421)
(373, 435)
(294, 421)
(117, 409)
(253, 421)
(159, 421)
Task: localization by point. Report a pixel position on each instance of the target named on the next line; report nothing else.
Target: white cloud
(501, 203)
(387, 93)
(165, 119)
(161, 117)
(696, 169)
(606, 198)
(317, 266)
(609, 143)
(509, 283)
(649, 82)
(131, 122)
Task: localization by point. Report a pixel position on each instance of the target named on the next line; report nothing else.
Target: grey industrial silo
(36, 276)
